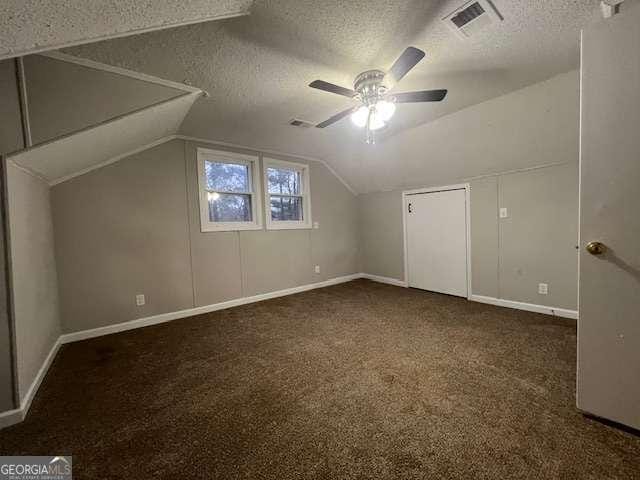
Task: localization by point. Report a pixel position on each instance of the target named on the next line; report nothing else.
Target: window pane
(284, 181)
(227, 177)
(225, 207)
(286, 208)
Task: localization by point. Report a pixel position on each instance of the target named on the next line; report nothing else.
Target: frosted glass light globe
(376, 122)
(359, 117)
(385, 110)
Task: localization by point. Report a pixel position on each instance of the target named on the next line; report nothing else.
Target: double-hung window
(229, 198)
(287, 195)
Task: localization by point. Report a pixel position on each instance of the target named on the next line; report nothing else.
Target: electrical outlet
(140, 300)
(503, 212)
(317, 269)
(316, 225)
(543, 288)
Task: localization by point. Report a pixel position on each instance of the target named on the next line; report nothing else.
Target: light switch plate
(317, 269)
(503, 212)
(543, 288)
(140, 300)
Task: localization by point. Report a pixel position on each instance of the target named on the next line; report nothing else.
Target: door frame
(467, 197)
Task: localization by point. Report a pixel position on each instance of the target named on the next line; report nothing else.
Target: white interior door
(609, 318)
(437, 241)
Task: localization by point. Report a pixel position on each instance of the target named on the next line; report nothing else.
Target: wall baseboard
(530, 307)
(380, 279)
(167, 317)
(11, 417)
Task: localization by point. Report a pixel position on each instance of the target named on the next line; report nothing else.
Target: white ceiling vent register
(472, 17)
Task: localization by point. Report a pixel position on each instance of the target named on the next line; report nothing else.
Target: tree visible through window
(285, 194)
(228, 191)
(228, 185)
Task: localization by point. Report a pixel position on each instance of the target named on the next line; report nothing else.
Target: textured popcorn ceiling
(27, 26)
(257, 68)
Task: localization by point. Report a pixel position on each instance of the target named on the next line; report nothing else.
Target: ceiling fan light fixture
(385, 110)
(376, 121)
(359, 117)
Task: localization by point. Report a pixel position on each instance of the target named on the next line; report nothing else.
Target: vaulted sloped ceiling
(66, 97)
(29, 26)
(257, 68)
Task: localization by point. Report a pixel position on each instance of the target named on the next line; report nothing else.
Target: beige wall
(65, 97)
(538, 240)
(113, 225)
(122, 230)
(35, 291)
(382, 248)
(510, 256)
(6, 336)
(10, 140)
(485, 235)
(535, 126)
(10, 119)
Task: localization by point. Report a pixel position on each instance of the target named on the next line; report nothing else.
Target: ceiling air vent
(296, 122)
(472, 17)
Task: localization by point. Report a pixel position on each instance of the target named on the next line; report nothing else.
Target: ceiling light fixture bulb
(385, 109)
(376, 120)
(359, 117)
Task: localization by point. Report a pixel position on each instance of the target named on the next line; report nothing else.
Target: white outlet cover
(317, 269)
(503, 212)
(316, 225)
(543, 288)
(140, 300)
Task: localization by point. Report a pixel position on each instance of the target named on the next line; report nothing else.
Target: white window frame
(206, 225)
(305, 193)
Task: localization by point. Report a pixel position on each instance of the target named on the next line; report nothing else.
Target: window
(287, 195)
(228, 186)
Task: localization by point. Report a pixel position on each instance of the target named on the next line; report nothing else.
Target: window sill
(289, 226)
(229, 228)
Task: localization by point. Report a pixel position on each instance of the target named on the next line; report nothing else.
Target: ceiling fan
(372, 88)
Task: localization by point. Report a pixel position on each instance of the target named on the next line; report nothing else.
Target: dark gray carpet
(356, 381)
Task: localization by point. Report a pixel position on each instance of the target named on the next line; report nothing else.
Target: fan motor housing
(369, 86)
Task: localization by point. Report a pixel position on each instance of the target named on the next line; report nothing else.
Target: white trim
(93, 128)
(167, 317)
(200, 140)
(517, 170)
(63, 57)
(267, 152)
(28, 171)
(305, 193)
(252, 162)
(529, 307)
(25, 402)
(467, 197)
(11, 417)
(155, 143)
(138, 31)
(387, 280)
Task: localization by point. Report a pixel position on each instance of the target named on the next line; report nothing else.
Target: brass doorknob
(595, 248)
